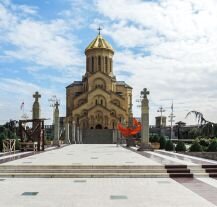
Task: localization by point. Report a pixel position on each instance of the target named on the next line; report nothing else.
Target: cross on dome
(99, 29)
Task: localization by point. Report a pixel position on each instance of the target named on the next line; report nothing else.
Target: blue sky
(167, 46)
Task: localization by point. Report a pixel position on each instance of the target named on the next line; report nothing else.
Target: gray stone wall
(97, 136)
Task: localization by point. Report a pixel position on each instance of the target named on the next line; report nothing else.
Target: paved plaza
(197, 191)
(86, 155)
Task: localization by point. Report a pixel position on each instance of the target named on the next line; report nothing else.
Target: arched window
(99, 63)
(101, 102)
(96, 102)
(99, 83)
(92, 66)
(106, 64)
(110, 65)
(87, 64)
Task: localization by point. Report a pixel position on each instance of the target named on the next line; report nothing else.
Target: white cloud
(170, 46)
(43, 44)
(15, 91)
(49, 44)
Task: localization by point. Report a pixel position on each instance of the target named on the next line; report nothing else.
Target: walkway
(106, 192)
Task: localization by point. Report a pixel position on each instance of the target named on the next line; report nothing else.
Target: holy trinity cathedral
(99, 101)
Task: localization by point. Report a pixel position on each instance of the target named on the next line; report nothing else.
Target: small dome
(99, 42)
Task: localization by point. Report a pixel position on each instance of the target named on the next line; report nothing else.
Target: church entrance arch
(98, 126)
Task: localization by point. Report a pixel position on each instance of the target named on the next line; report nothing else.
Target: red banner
(126, 131)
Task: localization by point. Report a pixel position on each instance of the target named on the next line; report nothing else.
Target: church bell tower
(99, 56)
(99, 101)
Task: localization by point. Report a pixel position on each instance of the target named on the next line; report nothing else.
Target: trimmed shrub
(162, 142)
(17, 144)
(154, 138)
(196, 147)
(212, 146)
(169, 145)
(204, 142)
(2, 137)
(180, 147)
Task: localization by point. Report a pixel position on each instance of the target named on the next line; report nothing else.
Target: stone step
(83, 171)
(178, 170)
(84, 175)
(209, 166)
(197, 170)
(29, 166)
(181, 175)
(88, 171)
(175, 166)
(213, 175)
(102, 175)
(211, 170)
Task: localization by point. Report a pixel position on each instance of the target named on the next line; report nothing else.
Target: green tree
(180, 147)
(162, 142)
(2, 137)
(169, 145)
(208, 128)
(212, 146)
(196, 147)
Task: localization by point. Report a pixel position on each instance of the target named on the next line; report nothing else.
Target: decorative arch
(100, 100)
(99, 83)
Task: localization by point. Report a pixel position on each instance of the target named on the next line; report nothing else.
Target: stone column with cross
(145, 145)
(56, 124)
(36, 106)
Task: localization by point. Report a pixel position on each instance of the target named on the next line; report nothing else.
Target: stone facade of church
(99, 101)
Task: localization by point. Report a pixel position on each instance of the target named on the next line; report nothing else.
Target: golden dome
(99, 42)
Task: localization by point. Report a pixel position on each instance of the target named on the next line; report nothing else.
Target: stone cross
(36, 106)
(56, 124)
(145, 145)
(36, 96)
(144, 93)
(57, 104)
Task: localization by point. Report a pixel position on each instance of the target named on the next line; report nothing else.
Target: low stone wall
(97, 136)
(207, 155)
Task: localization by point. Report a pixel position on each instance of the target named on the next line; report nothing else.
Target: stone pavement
(123, 177)
(92, 154)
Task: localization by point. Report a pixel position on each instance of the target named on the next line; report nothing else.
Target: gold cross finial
(99, 28)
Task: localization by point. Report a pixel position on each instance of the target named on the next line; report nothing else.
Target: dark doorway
(98, 126)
